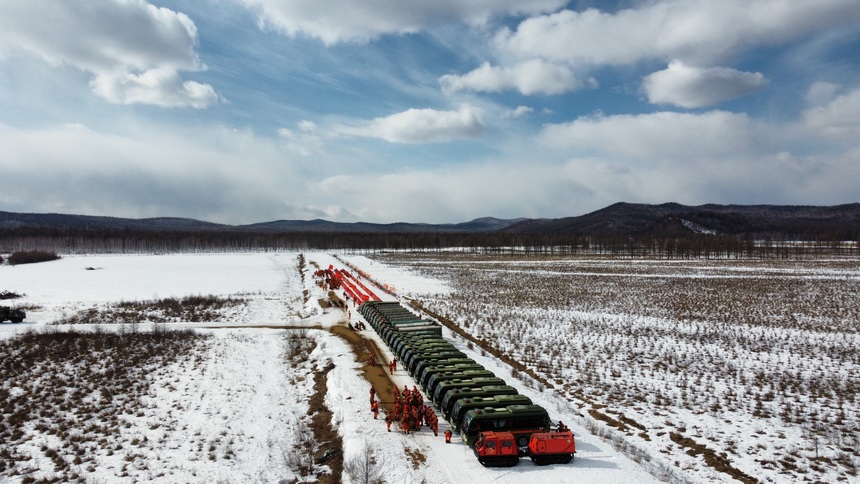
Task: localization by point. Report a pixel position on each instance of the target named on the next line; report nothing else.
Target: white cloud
(702, 32)
(657, 136)
(155, 86)
(820, 93)
(155, 171)
(307, 126)
(533, 76)
(134, 50)
(422, 126)
(693, 87)
(518, 112)
(334, 21)
(305, 141)
(838, 119)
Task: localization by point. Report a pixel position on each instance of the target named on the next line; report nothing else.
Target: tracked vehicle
(500, 448)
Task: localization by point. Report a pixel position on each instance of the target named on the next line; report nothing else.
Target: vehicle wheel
(568, 459)
(523, 440)
(483, 462)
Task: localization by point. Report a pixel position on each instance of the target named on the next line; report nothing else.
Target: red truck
(500, 448)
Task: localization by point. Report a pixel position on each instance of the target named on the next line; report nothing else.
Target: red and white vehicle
(500, 448)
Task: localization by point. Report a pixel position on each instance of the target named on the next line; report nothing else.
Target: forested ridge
(667, 230)
(684, 245)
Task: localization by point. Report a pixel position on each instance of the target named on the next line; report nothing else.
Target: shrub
(31, 257)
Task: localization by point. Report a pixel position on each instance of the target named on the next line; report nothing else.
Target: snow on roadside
(231, 413)
(61, 288)
(231, 417)
(403, 281)
(596, 460)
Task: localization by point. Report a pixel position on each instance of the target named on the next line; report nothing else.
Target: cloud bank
(838, 119)
(693, 87)
(134, 50)
(704, 32)
(422, 126)
(334, 21)
(533, 76)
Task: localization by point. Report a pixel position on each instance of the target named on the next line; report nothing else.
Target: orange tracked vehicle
(499, 449)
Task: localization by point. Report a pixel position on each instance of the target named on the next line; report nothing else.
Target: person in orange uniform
(448, 436)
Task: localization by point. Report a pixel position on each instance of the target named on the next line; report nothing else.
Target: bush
(31, 257)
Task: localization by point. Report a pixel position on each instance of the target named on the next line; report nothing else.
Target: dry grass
(319, 452)
(65, 396)
(733, 345)
(167, 310)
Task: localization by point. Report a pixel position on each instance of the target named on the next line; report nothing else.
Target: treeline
(110, 241)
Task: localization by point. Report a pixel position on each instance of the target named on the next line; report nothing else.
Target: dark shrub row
(31, 257)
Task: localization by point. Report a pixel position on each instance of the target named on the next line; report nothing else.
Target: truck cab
(496, 449)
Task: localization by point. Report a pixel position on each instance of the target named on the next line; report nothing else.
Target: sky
(245, 111)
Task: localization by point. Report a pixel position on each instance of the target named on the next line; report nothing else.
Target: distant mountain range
(676, 219)
(90, 222)
(621, 219)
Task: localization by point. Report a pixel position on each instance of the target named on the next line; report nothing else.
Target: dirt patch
(377, 374)
(711, 458)
(336, 301)
(416, 457)
(609, 420)
(330, 451)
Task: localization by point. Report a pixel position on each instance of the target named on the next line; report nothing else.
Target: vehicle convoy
(13, 315)
(500, 448)
(505, 423)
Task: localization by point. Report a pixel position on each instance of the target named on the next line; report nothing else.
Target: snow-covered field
(754, 365)
(234, 407)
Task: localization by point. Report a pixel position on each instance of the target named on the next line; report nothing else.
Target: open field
(749, 367)
(696, 371)
(99, 388)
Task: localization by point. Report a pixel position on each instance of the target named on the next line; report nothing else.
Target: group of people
(409, 407)
(410, 410)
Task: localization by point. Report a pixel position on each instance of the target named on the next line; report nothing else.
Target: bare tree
(301, 458)
(364, 469)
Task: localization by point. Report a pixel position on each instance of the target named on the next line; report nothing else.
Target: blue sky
(242, 111)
